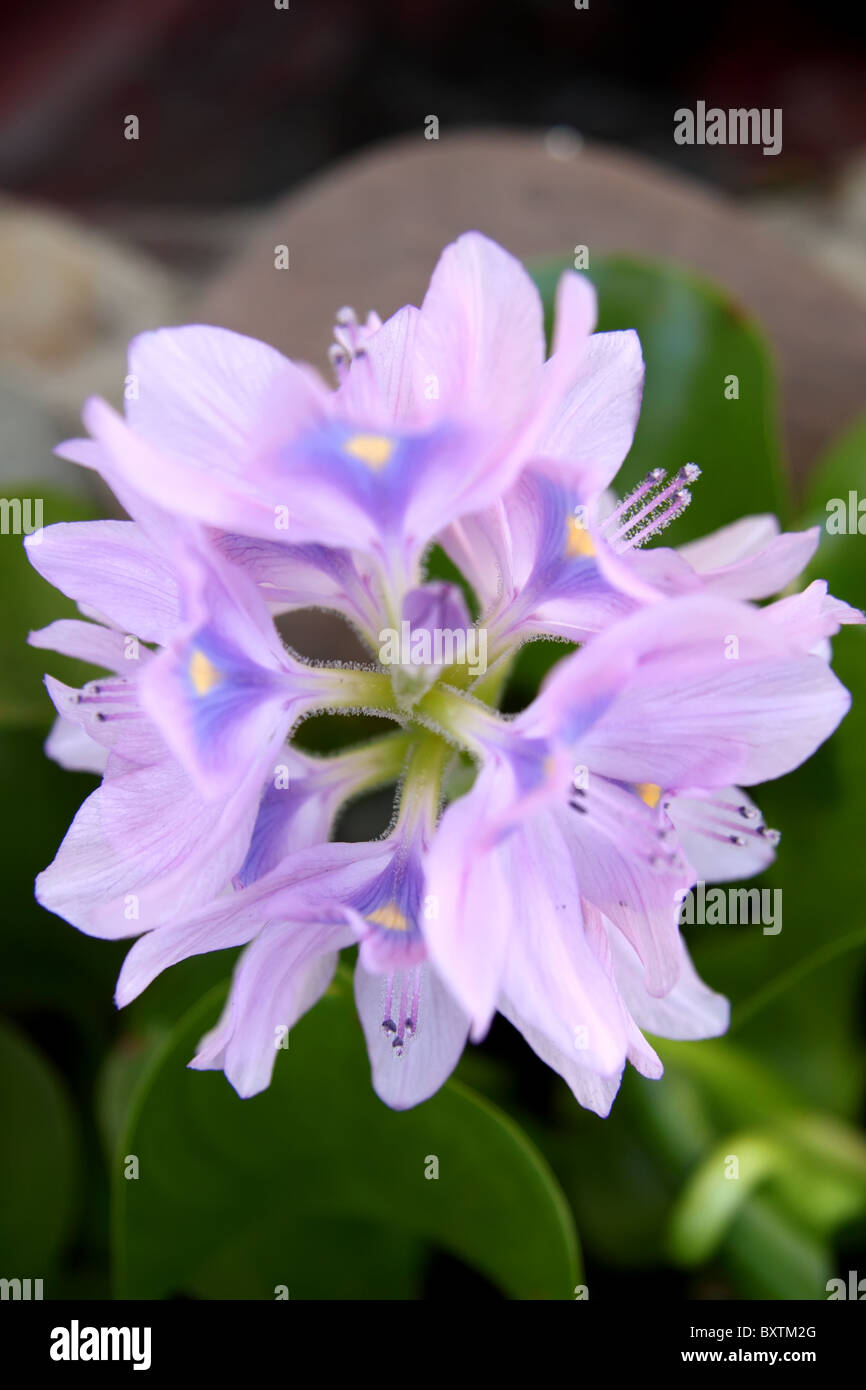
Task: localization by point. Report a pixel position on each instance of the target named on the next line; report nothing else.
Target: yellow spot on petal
(372, 449)
(648, 793)
(203, 674)
(579, 540)
(389, 917)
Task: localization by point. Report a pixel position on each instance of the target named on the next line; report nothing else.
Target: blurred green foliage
(316, 1185)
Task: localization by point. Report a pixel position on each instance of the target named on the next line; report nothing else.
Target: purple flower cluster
(535, 865)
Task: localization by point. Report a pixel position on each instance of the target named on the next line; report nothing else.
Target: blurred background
(307, 126)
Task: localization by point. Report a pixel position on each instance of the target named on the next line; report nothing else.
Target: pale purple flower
(549, 889)
(187, 737)
(650, 727)
(557, 558)
(436, 412)
(555, 904)
(296, 919)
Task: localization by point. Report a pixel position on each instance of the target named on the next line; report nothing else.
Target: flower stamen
(632, 524)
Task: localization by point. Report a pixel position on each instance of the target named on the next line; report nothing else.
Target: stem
(348, 688)
(422, 786)
(488, 686)
(459, 717)
(378, 761)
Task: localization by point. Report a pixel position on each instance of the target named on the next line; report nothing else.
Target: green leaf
(815, 1166)
(713, 1195)
(771, 1237)
(618, 1189)
(735, 1086)
(771, 1257)
(318, 1186)
(694, 337)
(39, 1160)
(825, 1181)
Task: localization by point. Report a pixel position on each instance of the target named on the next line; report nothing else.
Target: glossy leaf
(317, 1186)
(715, 1192)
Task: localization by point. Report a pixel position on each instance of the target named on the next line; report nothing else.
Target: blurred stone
(28, 434)
(72, 299)
(828, 226)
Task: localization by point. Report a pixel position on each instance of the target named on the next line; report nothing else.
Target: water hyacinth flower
(435, 413)
(186, 735)
(535, 865)
(561, 556)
